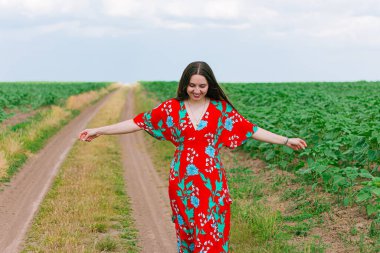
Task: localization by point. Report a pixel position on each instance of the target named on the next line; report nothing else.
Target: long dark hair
(200, 68)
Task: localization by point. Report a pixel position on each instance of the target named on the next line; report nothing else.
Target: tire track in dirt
(148, 193)
(21, 198)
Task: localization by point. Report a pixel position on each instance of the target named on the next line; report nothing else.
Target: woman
(199, 121)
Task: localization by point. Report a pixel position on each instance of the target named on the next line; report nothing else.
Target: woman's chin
(197, 98)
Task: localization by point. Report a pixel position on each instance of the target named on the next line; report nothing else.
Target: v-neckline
(191, 122)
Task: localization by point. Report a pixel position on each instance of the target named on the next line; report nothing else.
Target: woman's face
(197, 88)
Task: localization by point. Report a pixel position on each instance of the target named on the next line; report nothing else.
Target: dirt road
(20, 200)
(149, 194)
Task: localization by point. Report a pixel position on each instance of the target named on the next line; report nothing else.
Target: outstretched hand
(296, 143)
(88, 135)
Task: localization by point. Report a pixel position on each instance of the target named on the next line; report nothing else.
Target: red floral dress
(198, 191)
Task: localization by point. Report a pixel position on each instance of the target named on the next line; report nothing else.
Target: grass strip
(87, 209)
(161, 151)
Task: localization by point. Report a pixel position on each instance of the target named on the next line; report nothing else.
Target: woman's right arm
(124, 127)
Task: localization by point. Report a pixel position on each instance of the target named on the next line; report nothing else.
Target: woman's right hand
(88, 134)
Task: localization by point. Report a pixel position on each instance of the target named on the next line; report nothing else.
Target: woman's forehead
(198, 79)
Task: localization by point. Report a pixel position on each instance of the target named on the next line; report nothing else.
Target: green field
(45, 108)
(339, 121)
(285, 200)
(24, 96)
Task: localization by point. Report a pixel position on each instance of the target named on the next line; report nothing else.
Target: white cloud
(240, 26)
(355, 29)
(57, 27)
(75, 28)
(171, 14)
(270, 39)
(125, 8)
(175, 25)
(33, 8)
(223, 9)
(335, 20)
(72, 28)
(212, 9)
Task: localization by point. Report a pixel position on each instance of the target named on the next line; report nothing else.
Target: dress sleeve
(236, 128)
(157, 121)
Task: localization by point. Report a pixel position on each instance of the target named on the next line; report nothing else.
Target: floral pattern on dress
(198, 190)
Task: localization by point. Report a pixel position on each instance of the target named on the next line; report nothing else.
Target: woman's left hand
(296, 143)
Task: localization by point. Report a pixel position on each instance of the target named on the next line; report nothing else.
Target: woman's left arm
(266, 136)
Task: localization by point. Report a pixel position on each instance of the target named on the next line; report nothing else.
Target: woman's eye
(200, 86)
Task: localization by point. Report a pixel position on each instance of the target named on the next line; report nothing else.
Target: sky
(242, 40)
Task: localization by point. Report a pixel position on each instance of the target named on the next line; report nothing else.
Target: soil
(18, 118)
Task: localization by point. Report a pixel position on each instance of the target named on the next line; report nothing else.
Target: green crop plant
(25, 96)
